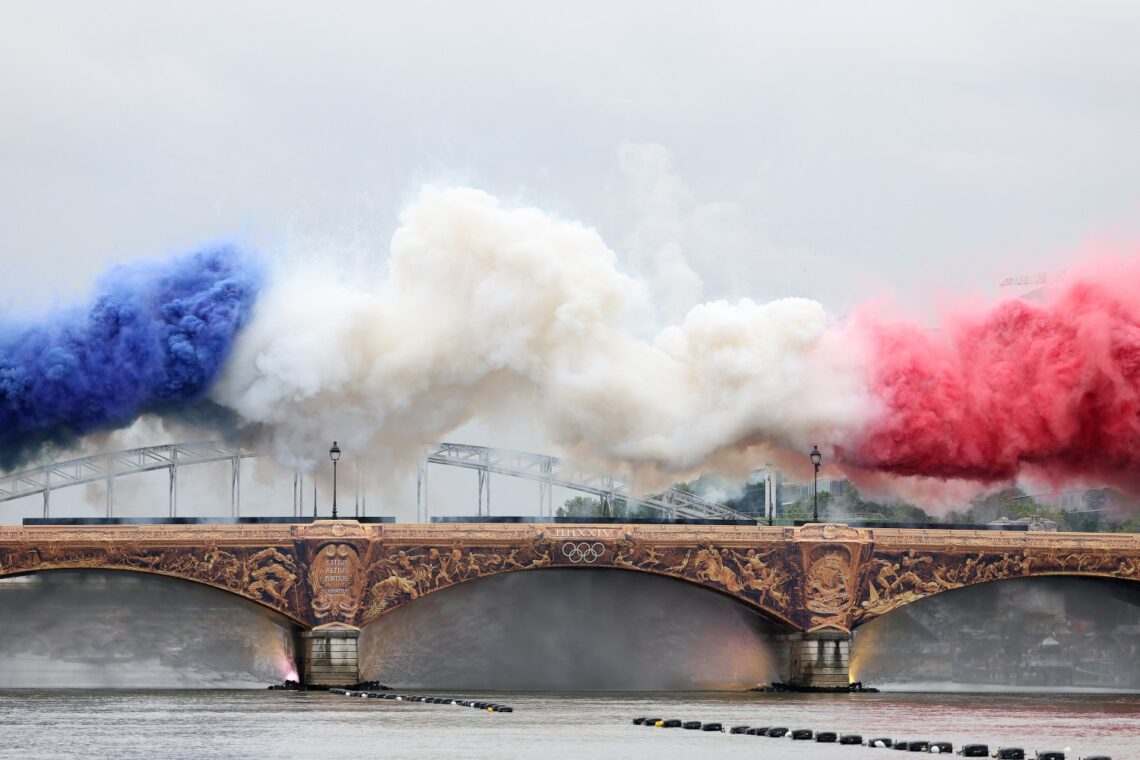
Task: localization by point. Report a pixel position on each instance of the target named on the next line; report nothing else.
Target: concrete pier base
(819, 660)
(329, 655)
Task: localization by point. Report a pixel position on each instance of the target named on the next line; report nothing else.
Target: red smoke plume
(1053, 387)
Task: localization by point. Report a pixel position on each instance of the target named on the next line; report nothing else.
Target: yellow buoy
(490, 709)
(659, 723)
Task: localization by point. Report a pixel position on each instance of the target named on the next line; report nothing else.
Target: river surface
(263, 724)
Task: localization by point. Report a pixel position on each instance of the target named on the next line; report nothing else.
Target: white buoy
(935, 750)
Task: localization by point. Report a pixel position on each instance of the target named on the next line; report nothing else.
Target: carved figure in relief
(652, 559)
(385, 591)
(272, 575)
(472, 569)
(710, 566)
(272, 581)
(623, 553)
(883, 584)
(680, 569)
(542, 558)
(449, 567)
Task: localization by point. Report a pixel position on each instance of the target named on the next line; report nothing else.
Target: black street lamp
(334, 455)
(816, 458)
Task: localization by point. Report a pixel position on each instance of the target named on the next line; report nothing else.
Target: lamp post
(816, 458)
(334, 455)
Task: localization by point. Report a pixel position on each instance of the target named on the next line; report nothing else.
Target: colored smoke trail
(153, 340)
(512, 318)
(1052, 389)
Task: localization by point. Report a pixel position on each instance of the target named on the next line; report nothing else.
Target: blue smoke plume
(154, 339)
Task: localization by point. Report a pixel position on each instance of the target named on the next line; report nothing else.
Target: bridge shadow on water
(108, 629)
(567, 630)
(1028, 634)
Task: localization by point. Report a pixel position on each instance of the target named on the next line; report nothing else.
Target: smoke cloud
(1048, 388)
(153, 339)
(488, 311)
(496, 315)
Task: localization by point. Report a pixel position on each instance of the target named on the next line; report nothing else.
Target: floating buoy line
(394, 697)
(832, 737)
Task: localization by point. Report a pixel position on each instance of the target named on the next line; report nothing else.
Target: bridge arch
(267, 575)
(1043, 630)
(402, 590)
(571, 629)
(89, 627)
(893, 578)
(397, 572)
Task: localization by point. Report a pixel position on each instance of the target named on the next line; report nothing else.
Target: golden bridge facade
(815, 583)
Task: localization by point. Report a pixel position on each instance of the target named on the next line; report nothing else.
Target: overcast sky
(788, 148)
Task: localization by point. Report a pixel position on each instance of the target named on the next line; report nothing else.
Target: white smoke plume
(487, 312)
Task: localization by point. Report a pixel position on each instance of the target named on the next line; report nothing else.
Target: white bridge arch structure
(547, 471)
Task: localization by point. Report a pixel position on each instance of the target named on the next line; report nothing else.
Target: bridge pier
(819, 660)
(329, 655)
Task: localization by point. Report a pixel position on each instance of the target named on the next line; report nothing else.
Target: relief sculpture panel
(335, 578)
(817, 576)
(894, 577)
(266, 575)
(398, 574)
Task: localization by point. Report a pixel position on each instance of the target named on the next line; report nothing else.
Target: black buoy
(901, 744)
(941, 747)
(802, 734)
(712, 727)
(1050, 755)
(739, 730)
(919, 746)
(650, 721)
(826, 737)
(671, 723)
(638, 721)
(880, 742)
(975, 750)
(777, 732)
(757, 731)
(1097, 757)
(1010, 753)
(851, 739)
(692, 725)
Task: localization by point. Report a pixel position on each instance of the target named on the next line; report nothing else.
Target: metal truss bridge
(547, 471)
(550, 472)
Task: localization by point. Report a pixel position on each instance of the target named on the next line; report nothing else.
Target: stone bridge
(814, 583)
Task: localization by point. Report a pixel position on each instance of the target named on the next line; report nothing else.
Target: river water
(264, 724)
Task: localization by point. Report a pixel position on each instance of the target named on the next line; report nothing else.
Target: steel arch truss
(106, 467)
(550, 472)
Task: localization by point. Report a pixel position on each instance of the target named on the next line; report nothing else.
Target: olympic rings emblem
(583, 552)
